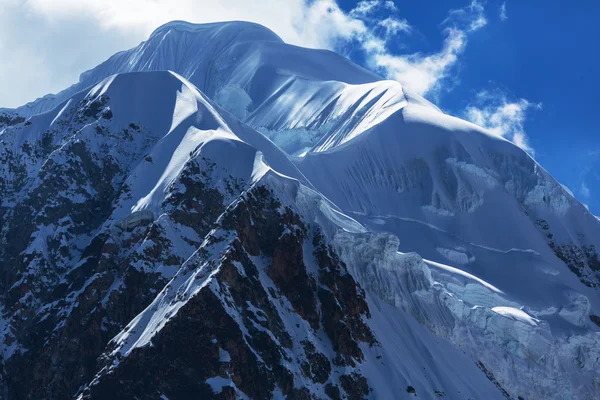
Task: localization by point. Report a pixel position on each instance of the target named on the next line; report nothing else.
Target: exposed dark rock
(582, 259)
(289, 274)
(92, 109)
(333, 392)
(492, 378)
(344, 326)
(317, 367)
(200, 204)
(107, 114)
(214, 318)
(10, 120)
(355, 386)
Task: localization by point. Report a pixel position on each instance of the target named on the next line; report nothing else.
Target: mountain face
(217, 214)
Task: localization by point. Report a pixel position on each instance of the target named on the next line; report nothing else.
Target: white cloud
(50, 42)
(391, 6)
(371, 11)
(585, 191)
(471, 17)
(367, 7)
(588, 176)
(501, 116)
(41, 55)
(503, 14)
(424, 74)
(364, 8)
(393, 26)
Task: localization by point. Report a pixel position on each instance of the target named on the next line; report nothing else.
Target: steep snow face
(522, 353)
(191, 126)
(455, 194)
(498, 235)
(323, 116)
(298, 97)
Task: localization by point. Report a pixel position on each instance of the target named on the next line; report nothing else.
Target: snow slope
(477, 206)
(449, 179)
(160, 165)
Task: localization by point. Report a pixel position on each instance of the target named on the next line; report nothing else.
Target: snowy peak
(274, 221)
(232, 31)
(215, 57)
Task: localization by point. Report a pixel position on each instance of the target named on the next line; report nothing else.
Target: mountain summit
(218, 214)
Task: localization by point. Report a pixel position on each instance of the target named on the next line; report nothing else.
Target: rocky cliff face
(74, 275)
(10, 119)
(256, 314)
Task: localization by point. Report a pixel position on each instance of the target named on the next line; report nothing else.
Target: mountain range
(218, 214)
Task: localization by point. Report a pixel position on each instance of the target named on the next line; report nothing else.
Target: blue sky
(526, 70)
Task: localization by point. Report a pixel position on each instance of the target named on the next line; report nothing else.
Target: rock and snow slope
(234, 227)
(134, 206)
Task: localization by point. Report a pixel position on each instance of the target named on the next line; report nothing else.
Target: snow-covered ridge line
(185, 26)
(225, 54)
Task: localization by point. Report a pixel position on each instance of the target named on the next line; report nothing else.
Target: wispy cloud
(368, 7)
(391, 6)
(364, 8)
(501, 116)
(469, 18)
(425, 74)
(588, 176)
(393, 26)
(370, 14)
(585, 191)
(503, 14)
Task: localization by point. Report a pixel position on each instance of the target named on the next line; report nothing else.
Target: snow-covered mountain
(216, 213)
